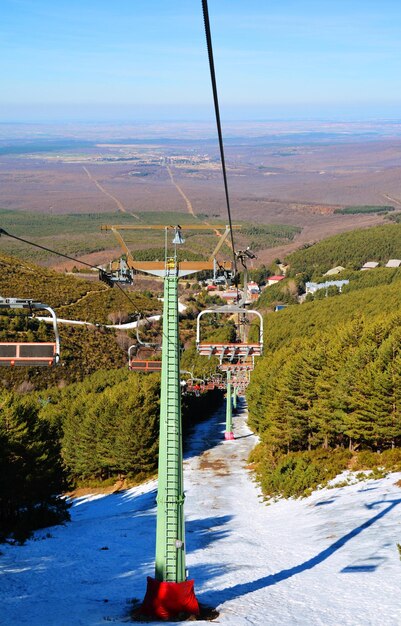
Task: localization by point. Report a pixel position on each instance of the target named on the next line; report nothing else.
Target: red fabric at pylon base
(165, 600)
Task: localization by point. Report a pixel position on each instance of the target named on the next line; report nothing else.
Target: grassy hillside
(84, 350)
(71, 297)
(351, 250)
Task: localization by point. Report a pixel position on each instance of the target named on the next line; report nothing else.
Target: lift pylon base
(166, 600)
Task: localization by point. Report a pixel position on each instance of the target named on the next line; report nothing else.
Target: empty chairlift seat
(31, 354)
(236, 351)
(138, 365)
(28, 354)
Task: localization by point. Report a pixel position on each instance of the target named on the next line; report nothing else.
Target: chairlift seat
(31, 354)
(28, 354)
(138, 365)
(230, 350)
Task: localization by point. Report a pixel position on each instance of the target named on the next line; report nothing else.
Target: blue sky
(146, 59)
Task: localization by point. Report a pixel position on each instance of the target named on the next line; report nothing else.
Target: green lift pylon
(170, 529)
(170, 593)
(229, 410)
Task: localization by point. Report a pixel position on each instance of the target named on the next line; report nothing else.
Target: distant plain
(279, 173)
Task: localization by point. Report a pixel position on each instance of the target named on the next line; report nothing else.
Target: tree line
(328, 387)
(100, 429)
(351, 250)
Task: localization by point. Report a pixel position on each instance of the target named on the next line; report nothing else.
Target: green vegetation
(110, 424)
(394, 217)
(267, 235)
(329, 381)
(158, 254)
(74, 234)
(71, 297)
(77, 234)
(297, 473)
(284, 292)
(364, 208)
(97, 431)
(32, 476)
(351, 250)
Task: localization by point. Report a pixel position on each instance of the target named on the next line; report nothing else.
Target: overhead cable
(218, 122)
(66, 256)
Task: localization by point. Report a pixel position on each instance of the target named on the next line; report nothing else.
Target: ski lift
(121, 275)
(141, 349)
(194, 387)
(137, 364)
(33, 354)
(234, 352)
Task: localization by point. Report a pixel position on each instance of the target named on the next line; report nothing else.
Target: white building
(335, 270)
(369, 265)
(313, 287)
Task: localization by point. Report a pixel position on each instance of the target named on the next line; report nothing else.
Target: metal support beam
(157, 268)
(164, 226)
(222, 240)
(170, 528)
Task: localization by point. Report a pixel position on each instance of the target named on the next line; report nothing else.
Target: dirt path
(180, 191)
(119, 204)
(392, 199)
(86, 295)
(188, 202)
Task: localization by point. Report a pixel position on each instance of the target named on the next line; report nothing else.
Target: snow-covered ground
(330, 559)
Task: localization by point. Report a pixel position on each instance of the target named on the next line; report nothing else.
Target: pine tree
(32, 477)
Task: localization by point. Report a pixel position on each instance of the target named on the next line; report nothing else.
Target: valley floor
(326, 560)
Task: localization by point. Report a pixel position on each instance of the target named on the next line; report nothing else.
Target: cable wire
(218, 122)
(66, 256)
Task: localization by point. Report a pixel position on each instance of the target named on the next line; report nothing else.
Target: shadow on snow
(215, 598)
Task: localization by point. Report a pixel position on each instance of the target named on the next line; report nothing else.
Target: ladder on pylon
(170, 553)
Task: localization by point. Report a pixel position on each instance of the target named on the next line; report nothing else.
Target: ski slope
(330, 559)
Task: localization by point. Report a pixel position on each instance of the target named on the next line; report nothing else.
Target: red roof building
(272, 280)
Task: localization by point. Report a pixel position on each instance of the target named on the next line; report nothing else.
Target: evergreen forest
(326, 394)
(350, 250)
(89, 421)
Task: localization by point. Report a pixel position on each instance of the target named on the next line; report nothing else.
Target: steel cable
(218, 122)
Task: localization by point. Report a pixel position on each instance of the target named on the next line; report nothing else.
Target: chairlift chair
(34, 353)
(193, 386)
(137, 364)
(233, 352)
(140, 364)
(120, 274)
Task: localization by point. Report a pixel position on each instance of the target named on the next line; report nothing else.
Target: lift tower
(169, 593)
